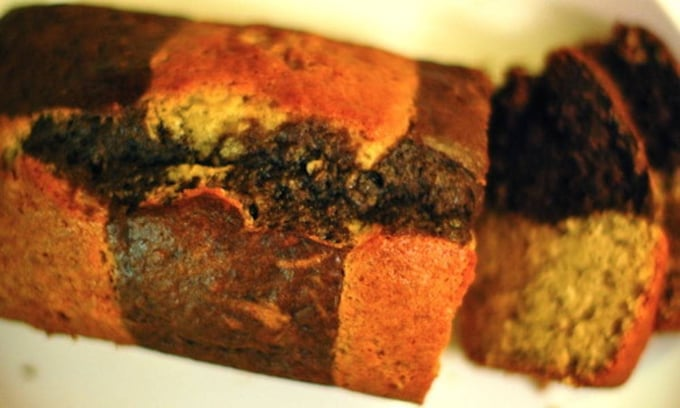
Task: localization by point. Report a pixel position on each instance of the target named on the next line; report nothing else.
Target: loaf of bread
(244, 195)
(571, 257)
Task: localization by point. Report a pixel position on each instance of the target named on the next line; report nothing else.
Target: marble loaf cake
(255, 197)
(573, 249)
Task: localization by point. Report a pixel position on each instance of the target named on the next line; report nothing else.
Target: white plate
(40, 371)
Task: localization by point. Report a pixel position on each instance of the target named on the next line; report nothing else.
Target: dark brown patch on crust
(113, 158)
(194, 281)
(413, 187)
(79, 57)
(559, 147)
(669, 307)
(423, 190)
(649, 78)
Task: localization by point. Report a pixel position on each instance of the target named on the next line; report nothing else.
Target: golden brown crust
(392, 328)
(637, 336)
(367, 91)
(43, 280)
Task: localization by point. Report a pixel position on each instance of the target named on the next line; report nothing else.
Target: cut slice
(649, 78)
(571, 261)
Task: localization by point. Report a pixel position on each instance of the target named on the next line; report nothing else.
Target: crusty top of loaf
(273, 76)
(308, 132)
(92, 58)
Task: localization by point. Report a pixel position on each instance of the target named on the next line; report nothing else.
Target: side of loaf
(572, 257)
(255, 197)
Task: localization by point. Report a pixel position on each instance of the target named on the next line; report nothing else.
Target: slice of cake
(648, 76)
(571, 261)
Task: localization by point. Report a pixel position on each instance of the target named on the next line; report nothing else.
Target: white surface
(40, 371)
(37, 371)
